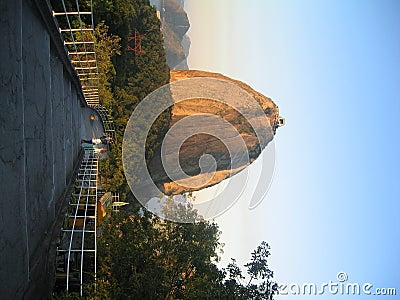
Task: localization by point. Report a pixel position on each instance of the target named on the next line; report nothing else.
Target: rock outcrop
(200, 144)
(175, 24)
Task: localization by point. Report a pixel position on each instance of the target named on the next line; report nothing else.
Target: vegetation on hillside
(129, 78)
(143, 257)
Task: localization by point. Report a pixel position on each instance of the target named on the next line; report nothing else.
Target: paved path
(92, 129)
(89, 128)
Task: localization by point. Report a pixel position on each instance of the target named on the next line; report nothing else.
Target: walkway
(77, 250)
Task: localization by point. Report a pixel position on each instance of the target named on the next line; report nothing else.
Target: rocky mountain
(183, 65)
(200, 144)
(174, 25)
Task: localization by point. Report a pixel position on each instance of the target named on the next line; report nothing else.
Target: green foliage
(126, 79)
(107, 46)
(148, 71)
(143, 257)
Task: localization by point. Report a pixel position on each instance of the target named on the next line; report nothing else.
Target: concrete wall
(40, 119)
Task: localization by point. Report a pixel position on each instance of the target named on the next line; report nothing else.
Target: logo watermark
(212, 123)
(340, 286)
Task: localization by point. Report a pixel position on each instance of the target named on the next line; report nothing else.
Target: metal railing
(76, 258)
(77, 30)
(107, 120)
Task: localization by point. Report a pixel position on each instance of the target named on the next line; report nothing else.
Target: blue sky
(333, 68)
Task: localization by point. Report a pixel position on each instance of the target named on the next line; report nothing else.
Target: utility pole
(137, 43)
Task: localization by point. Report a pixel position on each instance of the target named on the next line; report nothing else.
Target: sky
(333, 68)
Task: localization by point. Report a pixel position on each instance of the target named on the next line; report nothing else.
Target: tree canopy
(144, 257)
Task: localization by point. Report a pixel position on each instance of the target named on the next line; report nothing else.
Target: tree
(107, 46)
(259, 285)
(141, 256)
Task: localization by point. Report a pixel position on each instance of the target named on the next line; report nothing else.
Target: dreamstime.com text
(339, 287)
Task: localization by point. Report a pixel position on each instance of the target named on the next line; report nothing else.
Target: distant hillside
(174, 25)
(183, 65)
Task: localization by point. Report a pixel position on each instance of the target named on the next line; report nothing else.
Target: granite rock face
(201, 144)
